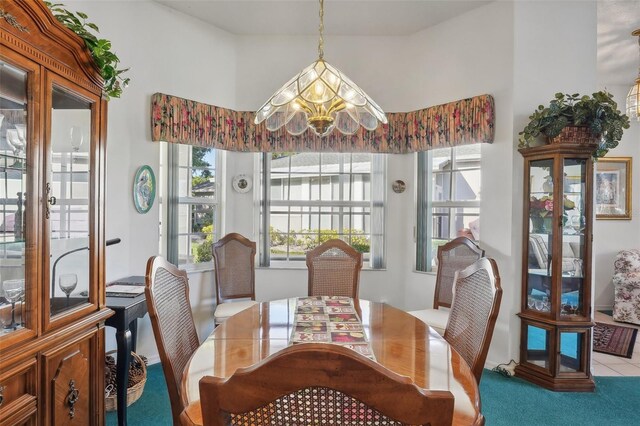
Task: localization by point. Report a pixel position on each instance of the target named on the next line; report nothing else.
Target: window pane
(441, 159)
(467, 156)
(441, 186)
(190, 225)
(337, 188)
(466, 220)
(440, 227)
(467, 185)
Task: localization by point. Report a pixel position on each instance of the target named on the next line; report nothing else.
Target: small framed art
(613, 188)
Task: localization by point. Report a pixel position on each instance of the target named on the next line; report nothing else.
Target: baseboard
(604, 307)
(155, 359)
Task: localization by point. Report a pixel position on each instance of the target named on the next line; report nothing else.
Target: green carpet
(505, 401)
(153, 407)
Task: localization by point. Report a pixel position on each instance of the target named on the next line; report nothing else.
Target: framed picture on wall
(613, 188)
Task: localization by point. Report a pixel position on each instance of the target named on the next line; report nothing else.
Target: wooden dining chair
(453, 256)
(316, 383)
(334, 269)
(167, 294)
(476, 302)
(234, 262)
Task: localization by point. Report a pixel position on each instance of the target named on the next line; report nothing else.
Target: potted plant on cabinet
(578, 119)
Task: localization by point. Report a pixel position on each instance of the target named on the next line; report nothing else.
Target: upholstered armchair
(626, 283)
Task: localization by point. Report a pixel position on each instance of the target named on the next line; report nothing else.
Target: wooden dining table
(400, 342)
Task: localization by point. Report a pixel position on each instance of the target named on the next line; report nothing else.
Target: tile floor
(609, 365)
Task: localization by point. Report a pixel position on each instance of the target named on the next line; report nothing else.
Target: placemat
(330, 319)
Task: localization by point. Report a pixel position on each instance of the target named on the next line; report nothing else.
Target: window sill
(434, 273)
(195, 268)
(304, 268)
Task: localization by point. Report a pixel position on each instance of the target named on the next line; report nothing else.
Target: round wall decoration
(398, 186)
(241, 184)
(144, 189)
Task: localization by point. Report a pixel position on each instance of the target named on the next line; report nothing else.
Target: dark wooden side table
(125, 321)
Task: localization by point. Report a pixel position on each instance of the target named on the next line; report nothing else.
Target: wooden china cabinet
(52, 172)
(556, 318)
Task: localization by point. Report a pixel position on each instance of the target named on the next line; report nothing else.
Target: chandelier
(633, 98)
(320, 97)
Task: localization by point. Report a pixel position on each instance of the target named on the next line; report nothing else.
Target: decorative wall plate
(398, 186)
(241, 184)
(144, 189)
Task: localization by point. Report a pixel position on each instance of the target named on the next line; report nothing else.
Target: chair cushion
(434, 318)
(225, 310)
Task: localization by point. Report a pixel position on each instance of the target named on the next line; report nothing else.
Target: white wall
(171, 53)
(458, 59)
(520, 53)
(611, 236)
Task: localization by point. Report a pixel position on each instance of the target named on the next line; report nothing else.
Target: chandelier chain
(321, 30)
(637, 32)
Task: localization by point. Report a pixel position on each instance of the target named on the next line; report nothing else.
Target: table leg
(123, 339)
(134, 334)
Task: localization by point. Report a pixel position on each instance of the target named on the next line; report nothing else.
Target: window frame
(376, 205)
(425, 205)
(170, 166)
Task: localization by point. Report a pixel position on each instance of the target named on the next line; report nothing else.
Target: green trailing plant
(599, 112)
(100, 49)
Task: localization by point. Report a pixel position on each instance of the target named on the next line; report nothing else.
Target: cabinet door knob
(52, 200)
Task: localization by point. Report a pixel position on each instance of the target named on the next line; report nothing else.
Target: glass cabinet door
(17, 269)
(573, 237)
(68, 198)
(540, 206)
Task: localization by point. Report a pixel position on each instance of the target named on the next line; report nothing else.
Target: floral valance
(463, 122)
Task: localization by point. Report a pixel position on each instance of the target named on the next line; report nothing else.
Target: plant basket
(137, 379)
(575, 135)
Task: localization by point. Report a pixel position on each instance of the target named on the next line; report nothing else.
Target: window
(448, 199)
(309, 198)
(192, 212)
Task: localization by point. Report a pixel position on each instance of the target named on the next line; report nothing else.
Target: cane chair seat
(453, 256)
(435, 318)
(167, 296)
(476, 302)
(334, 269)
(225, 310)
(233, 257)
(320, 384)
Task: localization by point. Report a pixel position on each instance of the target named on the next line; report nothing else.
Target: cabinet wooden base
(559, 384)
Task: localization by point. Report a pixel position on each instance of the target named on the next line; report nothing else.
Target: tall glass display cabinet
(52, 172)
(555, 339)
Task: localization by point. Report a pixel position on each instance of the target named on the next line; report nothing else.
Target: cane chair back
(320, 384)
(234, 257)
(476, 303)
(167, 294)
(334, 269)
(453, 256)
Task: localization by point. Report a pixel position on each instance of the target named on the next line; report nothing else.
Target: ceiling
(618, 51)
(342, 17)
(618, 55)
